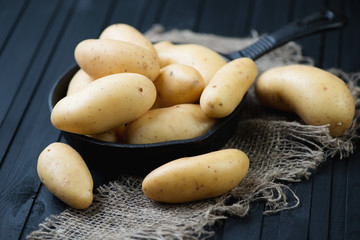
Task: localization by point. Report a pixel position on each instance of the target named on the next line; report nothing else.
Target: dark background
(37, 40)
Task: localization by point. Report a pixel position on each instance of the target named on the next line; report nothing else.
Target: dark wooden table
(37, 41)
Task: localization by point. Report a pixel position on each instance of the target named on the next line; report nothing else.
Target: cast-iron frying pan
(140, 159)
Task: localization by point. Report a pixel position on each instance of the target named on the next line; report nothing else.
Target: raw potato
(79, 81)
(65, 174)
(183, 121)
(127, 33)
(196, 178)
(315, 95)
(113, 135)
(105, 104)
(102, 57)
(203, 59)
(177, 84)
(228, 87)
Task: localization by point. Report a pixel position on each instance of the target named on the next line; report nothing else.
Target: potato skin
(177, 84)
(227, 87)
(194, 178)
(65, 174)
(79, 81)
(127, 33)
(105, 104)
(102, 57)
(182, 121)
(315, 95)
(203, 59)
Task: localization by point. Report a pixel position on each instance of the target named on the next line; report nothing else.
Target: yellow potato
(127, 33)
(181, 121)
(194, 178)
(105, 104)
(203, 59)
(65, 174)
(113, 135)
(176, 84)
(315, 95)
(79, 81)
(102, 57)
(228, 87)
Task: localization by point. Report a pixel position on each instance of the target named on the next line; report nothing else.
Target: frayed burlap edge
(290, 152)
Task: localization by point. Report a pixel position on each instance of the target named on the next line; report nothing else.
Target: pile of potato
(131, 91)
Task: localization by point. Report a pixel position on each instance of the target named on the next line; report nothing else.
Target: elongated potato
(177, 84)
(105, 104)
(113, 135)
(203, 59)
(102, 57)
(79, 81)
(127, 33)
(65, 174)
(228, 87)
(181, 121)
(315, 95)
(195, 178)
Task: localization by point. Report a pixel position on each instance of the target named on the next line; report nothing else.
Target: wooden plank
(18, 52)
(45, 203)
(213, 20)
(320, 202)
(127, 12)
(19, 165)
(352, 210)
(150, 14)
(10, 15)
(269, 16)
(260, 13)
(332, 40)
(242, 19)
(338, 197)
(311, 45)
(28, 84)
(322, 188)
(247, 227)
(351, 38)
(269, 227)
(293, 224)
(180, 14)
(19, 184)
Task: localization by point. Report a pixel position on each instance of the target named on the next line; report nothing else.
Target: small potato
(127, 33)
(79, 81)
(315, 95)
(228, 87)
(195, 178)
(183, 121)
(113, 135)
(105, 104)
(65, 174)
(177, 84)
(203, 59)
(102, 57)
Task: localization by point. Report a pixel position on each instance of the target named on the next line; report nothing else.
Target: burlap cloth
(280, 147)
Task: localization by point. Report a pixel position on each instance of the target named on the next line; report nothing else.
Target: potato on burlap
(318, 97)
(65, 174)
(194, 178)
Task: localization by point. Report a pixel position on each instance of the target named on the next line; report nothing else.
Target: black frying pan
(139, 159)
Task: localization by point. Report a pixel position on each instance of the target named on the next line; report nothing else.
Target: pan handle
(314, 23)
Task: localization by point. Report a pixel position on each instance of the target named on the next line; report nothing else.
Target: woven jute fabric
(281, 149)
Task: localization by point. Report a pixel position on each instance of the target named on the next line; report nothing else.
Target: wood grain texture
(37, 40)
